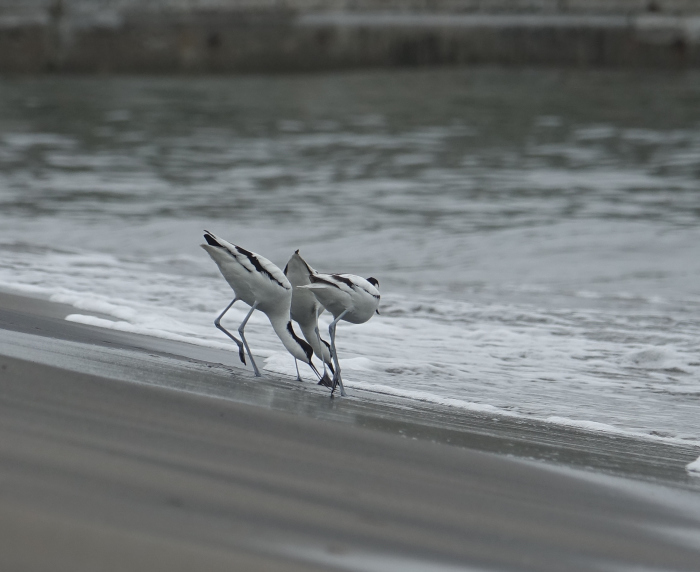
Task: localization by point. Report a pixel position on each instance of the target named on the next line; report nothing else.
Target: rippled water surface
(536, 233)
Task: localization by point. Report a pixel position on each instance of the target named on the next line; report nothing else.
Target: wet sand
(121, 452)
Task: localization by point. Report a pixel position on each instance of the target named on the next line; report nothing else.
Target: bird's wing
(348, 283)
(251, 261)
(330, 281)
(263, 266)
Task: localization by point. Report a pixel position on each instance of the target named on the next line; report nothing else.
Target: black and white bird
(348, 297)
(263, 286)
(305, 311)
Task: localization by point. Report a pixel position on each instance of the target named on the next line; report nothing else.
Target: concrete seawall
(201, 37)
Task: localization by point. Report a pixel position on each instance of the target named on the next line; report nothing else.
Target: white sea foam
(658, 358)
(694, 467)
(548, 270)
(517, 359)
(582, 424)
(426, 397)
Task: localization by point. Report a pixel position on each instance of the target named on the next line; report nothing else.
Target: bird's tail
(314, 286)
(211, 239)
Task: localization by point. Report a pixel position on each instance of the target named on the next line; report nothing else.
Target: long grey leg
(245, 343)
(336, 378)
(217, 323)
(326, 379)
(320, 343)
(296, 363)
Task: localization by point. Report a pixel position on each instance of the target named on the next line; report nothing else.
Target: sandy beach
(122, 452)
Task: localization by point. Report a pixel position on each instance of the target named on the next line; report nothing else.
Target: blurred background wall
(204, 36)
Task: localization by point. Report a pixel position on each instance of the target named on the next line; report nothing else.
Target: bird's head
(300, 349)
(374, 282)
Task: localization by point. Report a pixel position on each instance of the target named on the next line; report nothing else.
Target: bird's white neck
(309, 331)
(282, 326)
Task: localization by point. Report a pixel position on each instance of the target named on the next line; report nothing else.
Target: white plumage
(305, 310)
(348, 297)
(263, 286)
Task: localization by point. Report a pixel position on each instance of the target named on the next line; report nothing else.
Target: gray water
(535, 233)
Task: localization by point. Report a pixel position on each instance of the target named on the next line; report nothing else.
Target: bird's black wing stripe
(213, 242)
(344, 280)
(358, 287)
(210, 239)
(375, 296)
(315, 278)
(256, 263)
(352, 284)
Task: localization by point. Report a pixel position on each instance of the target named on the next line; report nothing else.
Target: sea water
(535, 233)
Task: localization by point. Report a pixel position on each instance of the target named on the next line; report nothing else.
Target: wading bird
(305, 311)
(348, 297)
(262, 285)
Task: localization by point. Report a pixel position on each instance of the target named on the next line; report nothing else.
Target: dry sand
(119, 452)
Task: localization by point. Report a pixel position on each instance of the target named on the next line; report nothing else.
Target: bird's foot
(336, 383)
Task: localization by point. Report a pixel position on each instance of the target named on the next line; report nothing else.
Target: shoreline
(118, 451)
(174, 365)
